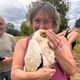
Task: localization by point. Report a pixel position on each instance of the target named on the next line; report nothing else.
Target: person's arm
(72, 36)
(13, 40)
(65, 57)
(62, 33)
(63, 52)
(8, 59)
(17, 72)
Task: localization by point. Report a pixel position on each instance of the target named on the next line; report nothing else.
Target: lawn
(77, 47)
(19, 37)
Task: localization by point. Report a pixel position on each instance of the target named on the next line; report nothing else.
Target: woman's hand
(62, 52)
(45, 73)
(56, 42)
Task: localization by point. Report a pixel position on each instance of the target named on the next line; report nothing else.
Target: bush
(77, 47)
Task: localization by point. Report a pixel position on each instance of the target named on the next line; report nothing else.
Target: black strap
(41, 62)
(66, 35)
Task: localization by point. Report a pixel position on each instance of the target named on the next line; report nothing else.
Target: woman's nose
(42, 26)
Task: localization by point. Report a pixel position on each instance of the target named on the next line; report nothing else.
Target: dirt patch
(77, 75)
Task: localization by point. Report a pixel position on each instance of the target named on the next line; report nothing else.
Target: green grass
(19, 37)
(77, 47)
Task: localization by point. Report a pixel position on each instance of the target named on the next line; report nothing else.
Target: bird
(39, 54)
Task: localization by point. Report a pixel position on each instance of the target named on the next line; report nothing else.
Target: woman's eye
(46, 21)
(37, 21)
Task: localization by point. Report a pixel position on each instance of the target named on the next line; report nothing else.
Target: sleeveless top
(59, 74)
(66, 36)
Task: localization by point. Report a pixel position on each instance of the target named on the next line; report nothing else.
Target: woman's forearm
(67, 62)
(23, 75)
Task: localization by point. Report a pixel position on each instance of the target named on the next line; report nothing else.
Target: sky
(74, 12)
(14, 11)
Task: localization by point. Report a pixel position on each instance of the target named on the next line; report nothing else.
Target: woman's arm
(63, 52)
(17, 72)
(65, 58)
(72, 36)
(62, 33)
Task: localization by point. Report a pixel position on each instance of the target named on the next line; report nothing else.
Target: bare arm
(8, 59)
(65, 58)
(63, 52)
(62, 33)
(72, 36)
(17, 72)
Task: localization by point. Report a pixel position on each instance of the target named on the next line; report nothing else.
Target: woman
(72, 34)
(44, 16)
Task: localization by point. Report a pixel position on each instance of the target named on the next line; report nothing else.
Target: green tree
(10, 28)
(26, 29)
(62, 6)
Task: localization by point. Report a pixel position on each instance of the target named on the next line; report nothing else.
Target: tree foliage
(10, 28)
(26, 29)
(62, 8)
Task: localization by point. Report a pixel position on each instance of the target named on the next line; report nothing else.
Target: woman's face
(42, 21)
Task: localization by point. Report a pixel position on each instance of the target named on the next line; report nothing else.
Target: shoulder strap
(27, 42)
(66, 34)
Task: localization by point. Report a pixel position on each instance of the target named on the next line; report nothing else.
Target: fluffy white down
(37, 46)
